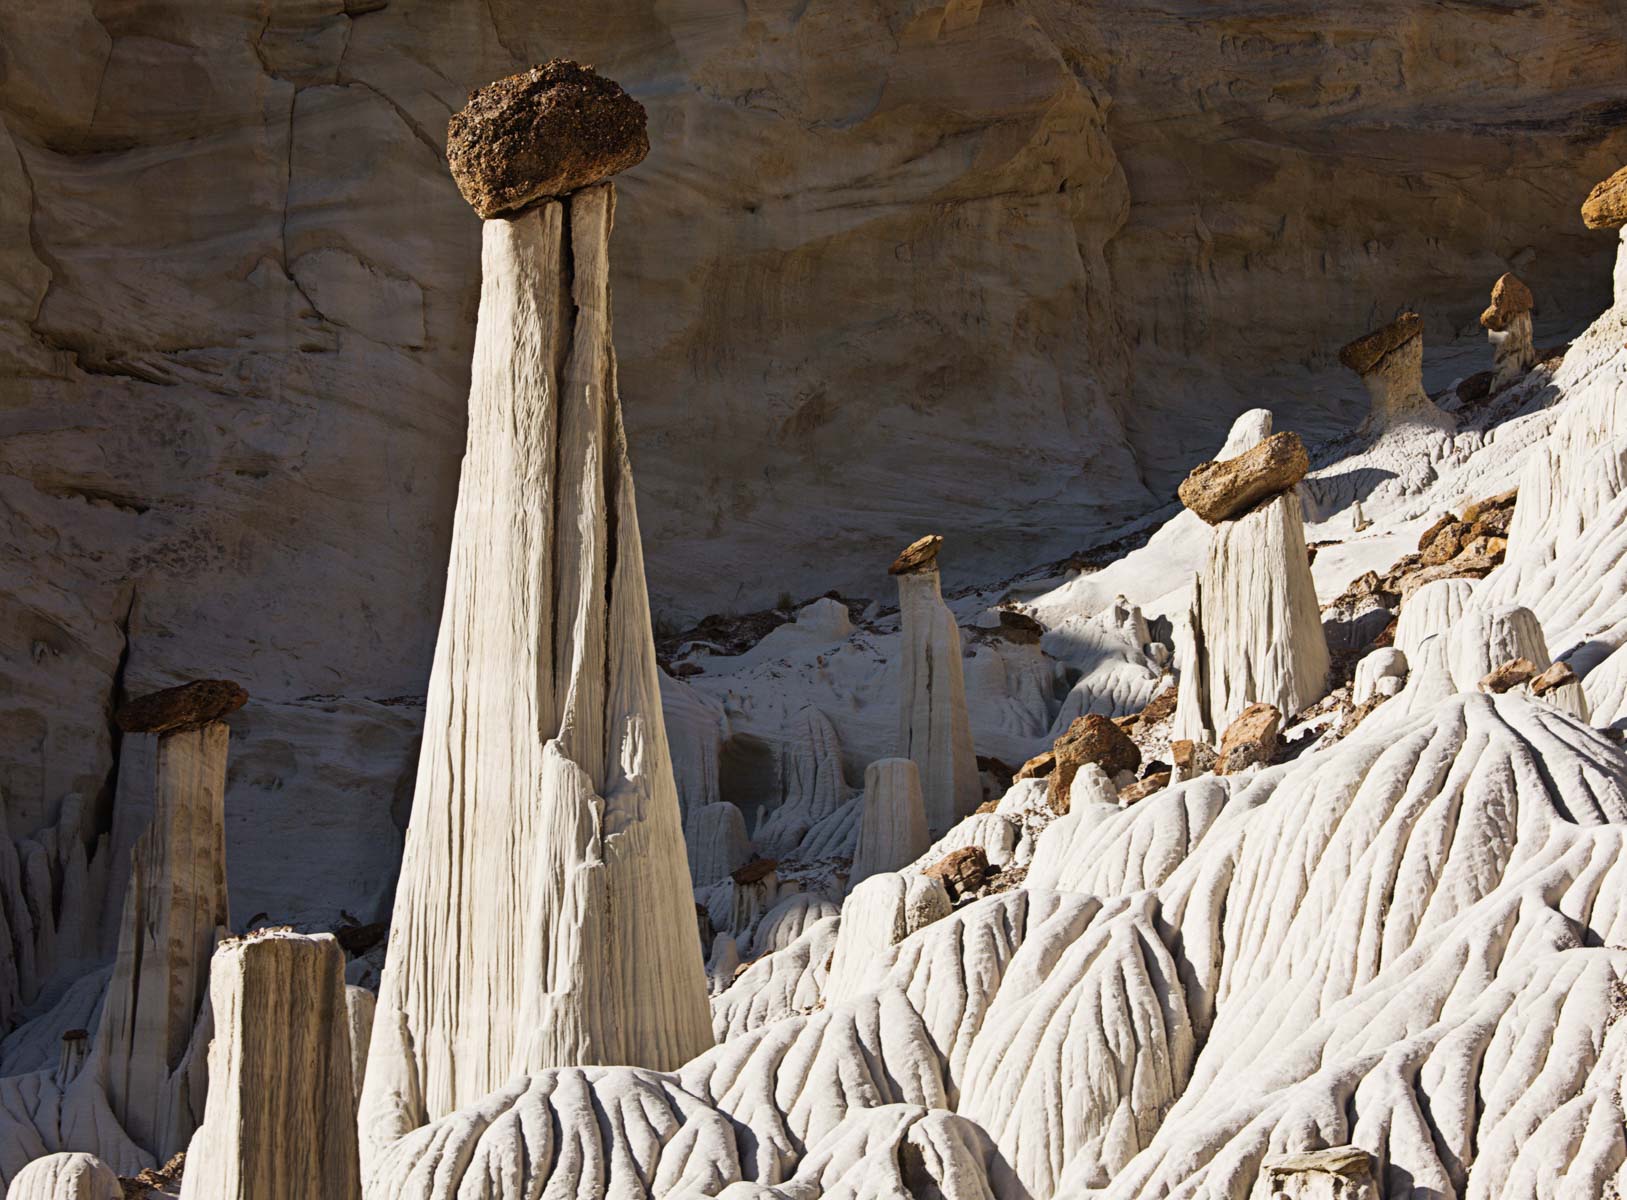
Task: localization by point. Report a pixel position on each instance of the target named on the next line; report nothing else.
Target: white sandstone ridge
(933, 728)
(543, 917)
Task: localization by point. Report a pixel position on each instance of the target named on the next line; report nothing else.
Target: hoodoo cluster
(1295, 877)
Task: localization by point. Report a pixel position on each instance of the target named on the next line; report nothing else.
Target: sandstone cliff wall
(1001, 268)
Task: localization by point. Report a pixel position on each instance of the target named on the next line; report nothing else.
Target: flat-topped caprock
(189, 706)
(1218, 491)
(1367, 351)
(541, 134)
(919, 555)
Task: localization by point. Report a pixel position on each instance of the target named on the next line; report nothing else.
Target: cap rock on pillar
(545, 132)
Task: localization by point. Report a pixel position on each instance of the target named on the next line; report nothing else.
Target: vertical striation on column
(543, 916)
(933, 727)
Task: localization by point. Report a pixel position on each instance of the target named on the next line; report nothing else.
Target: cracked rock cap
(919, 555)
(543, 133)
(1219, 491)
(1606, 205)
(189, 706)
(1363, 354)
(1509, 298)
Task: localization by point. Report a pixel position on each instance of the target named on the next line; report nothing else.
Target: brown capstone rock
(1365, 353)
(1092, 738)
(1253, 737)
(1509, 675)
(919, 555)
(190, 706)
(545, 132)
(961, 871)
(1217, 491)
(1509, 298)
(755, 871)
(1606, 205)
(1555, 676)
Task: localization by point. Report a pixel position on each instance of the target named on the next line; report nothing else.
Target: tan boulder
(1556, 676)
(545, 132)
(1338, 1173)
(1192, 758)
(1508, 675)
(1253, 738)
(755, 871)
(919, 555)
(1448, 541)
(1510, 298)
(1142, 788)
(1445, 521)
(1038, 767)
(1501, 502)
(961, 871)
(1217, 491)
(190, 706)
(1020, 627)
(1092, 738)
(1606, 205)
(1367, 351)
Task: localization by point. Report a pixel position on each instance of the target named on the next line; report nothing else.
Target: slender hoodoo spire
(933, 726)
(543, 916)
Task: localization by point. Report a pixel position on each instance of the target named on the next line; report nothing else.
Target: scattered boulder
(1501, 502)
(755, 871)
(1445, 521)
(1447, 543)
(1510, 298)
(1556, 676)
(1340, 1173)
(190, 706)
(1218, 491)
(1016, 626)
(1606, 205)
(1508, 676)
(961, 871)
(1145, 787)
(356, 940)
(545, 132)
(1254, 737)
(1367, 351)
(919, 555)
(1192, 758)
(1092, 738)
(1038, 767)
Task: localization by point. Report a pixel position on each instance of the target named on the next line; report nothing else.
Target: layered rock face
(545, 762)
(1044, 210)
